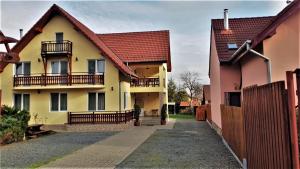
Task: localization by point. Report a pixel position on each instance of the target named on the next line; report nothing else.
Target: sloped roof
(150, 46)
(187, 103)
(240, 30)
(270, 29)
(56, 10)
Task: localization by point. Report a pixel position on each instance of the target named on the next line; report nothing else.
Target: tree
(190, 83)
(199, 91)
(181, 95)
(171, 90)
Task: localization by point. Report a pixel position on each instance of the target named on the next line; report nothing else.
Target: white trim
(97, 108)
(59, 95)
(59, 65)
(22, 99)
(96, 65)
(22, 65)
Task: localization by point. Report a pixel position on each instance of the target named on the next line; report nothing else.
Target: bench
(35, 130)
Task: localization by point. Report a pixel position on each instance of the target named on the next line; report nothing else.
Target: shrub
(13, 124)
(137, 112)
(163, 114)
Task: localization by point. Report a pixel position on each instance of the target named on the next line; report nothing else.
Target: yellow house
(65, 67)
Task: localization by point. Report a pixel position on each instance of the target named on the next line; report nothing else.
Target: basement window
(232, 46)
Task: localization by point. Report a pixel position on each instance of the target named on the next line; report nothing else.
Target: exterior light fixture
(112, 88)
(39, 60)
(76, 59)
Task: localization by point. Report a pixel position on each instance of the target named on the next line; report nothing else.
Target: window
(59, 37)
(125, 100)
(22, 101)
(59, 102)
(96, 101)
(59, 67)
(233, 99)
(232, 46)
(96, 66)
(22, 68)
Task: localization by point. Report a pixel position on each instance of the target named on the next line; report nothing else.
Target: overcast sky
(188, 22)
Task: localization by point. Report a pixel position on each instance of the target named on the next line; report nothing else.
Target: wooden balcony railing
(56, 48)
(145, 82)
(107, 117)
(52, 79)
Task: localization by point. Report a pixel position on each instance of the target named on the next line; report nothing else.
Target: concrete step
(150, 121)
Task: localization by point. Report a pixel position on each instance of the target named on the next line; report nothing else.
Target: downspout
(267, 61)
(248, 49)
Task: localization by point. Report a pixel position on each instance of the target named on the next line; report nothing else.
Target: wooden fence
(201, 113)
(233, 129)
(100, 117)
(267, 132)
(208, 113)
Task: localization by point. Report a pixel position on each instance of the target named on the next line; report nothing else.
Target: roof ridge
(132, 32)
(256, 17)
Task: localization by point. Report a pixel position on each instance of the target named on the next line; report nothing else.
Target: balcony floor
(58, 87)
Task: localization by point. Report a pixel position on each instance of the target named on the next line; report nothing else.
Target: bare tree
(190, 83)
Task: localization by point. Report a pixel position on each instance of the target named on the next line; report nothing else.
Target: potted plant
(137, 111)
(163, 115)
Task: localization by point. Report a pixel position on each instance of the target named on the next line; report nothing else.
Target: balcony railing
(145, 82)
(56, 48)
(57, 79)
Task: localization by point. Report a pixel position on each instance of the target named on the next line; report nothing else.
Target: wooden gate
(267, 126)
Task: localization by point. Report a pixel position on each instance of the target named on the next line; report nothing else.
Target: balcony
(55, 48)
(145, 82)
(57, 79)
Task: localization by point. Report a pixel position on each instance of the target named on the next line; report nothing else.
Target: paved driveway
(190, 144)
(38, 151)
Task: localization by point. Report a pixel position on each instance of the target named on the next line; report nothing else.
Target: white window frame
(96, 66)
(59, 65)
(59, 95)
(97, 108)
(22, 103)
(22, 62)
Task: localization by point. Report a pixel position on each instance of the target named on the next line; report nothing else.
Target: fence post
(293, 123)
(117, 118)
(93, 117)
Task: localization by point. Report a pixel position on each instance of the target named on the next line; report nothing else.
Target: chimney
(226, 22)
(21, 33)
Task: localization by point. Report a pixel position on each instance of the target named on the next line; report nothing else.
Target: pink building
(249, 51)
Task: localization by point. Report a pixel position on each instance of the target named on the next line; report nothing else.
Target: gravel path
(44, 149)
(190, 144)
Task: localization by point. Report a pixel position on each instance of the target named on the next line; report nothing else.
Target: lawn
(181, 116)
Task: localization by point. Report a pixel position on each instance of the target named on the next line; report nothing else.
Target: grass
(181, 116)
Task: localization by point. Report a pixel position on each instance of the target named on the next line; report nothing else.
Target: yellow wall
(83, 49)
(77, 95)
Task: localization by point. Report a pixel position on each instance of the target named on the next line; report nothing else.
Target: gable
(54, 11)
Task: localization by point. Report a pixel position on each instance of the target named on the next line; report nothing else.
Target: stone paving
(109, 152)
(190, 144)
(41, 150)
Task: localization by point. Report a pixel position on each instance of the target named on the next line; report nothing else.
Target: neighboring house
(66, 67)
(6, 57)
(250, 51)
(185, 104)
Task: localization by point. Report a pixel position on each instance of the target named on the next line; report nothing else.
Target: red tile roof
(270, 29)
(187, 104)
(151, 46)
(241, 29)
(56, 10)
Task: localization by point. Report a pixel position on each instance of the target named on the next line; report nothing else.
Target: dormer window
(232, 46)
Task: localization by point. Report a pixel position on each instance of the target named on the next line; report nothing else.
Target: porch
(150, 103)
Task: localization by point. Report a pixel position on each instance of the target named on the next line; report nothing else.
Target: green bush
(137, 112)
(163, 113)
(13, 124)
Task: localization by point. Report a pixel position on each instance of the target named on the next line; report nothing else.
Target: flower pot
(163, 122)
(137, 123)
